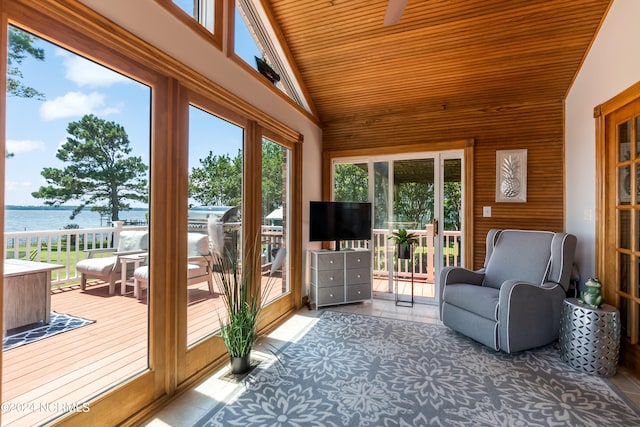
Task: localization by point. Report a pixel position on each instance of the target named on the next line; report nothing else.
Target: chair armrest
(528, 314)
(128, 252)
(92, 252)
(450, 275)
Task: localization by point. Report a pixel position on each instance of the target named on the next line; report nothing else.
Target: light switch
(486, 211)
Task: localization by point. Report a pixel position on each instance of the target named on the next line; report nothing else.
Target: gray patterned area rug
(355, 370)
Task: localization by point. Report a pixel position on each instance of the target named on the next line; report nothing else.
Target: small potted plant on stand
(404, 240)
(243, 303)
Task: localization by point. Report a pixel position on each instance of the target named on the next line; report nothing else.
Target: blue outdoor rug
(59, 323)
(356, 370)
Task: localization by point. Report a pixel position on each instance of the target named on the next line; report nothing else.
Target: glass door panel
(414, 210)
(76, 133)
(627, 216)
(214, 215)
(382, 224)
(451, 212)
(351, 182)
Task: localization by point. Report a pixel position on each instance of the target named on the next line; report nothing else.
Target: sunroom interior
(459, 80)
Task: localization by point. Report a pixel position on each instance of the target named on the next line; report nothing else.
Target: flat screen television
(336, 221)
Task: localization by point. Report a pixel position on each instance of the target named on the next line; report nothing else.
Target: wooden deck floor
(70, 367)
(421, 287)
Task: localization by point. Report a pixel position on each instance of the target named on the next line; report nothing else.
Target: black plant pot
(404, 252)
(240, 365)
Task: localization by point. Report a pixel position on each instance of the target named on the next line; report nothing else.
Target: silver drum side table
(590, 337)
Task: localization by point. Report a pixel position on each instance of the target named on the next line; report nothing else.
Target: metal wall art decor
(511, 175)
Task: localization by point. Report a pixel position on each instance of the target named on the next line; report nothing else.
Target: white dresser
(340, 277)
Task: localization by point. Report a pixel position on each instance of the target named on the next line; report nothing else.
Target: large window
(152, 159)
(254, 37)
(76, 193)
(276, 218)
(215, 214)
(206, 14)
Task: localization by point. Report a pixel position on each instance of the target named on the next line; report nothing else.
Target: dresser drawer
(358, 292)
(327, 278)
(358, 275)
(358, 259)
(331, 295)
(327, 260)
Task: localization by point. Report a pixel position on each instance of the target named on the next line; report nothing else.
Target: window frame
(81, 29)
(192, 22)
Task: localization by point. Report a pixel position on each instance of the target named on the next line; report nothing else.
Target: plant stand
(399, 301)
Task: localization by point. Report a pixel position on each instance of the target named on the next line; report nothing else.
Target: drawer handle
(331, 295)
(330, 261)
(358, 276)
(359, 292)
(331, 278)
(358, 259)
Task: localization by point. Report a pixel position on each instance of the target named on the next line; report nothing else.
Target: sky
(74, 86)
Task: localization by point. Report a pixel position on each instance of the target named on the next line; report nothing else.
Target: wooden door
(618, 260)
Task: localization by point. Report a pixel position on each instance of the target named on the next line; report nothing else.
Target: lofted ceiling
(442, 54)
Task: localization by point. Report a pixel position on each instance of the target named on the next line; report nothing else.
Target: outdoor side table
(590, 337)
(135, 259)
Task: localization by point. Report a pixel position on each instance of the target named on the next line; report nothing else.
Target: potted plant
(404, 240)
(243, 304)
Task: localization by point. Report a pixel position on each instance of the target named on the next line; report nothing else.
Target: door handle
(434, 222)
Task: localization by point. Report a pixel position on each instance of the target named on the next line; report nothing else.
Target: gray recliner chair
(515, 302)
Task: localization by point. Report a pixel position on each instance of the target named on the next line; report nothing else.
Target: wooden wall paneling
(536, 127)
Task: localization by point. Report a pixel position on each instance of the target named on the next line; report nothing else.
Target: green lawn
(52, 255)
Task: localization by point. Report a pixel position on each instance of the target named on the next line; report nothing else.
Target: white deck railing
(423, 259)
(66, 247)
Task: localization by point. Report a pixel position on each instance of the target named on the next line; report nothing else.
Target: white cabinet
(340, 277)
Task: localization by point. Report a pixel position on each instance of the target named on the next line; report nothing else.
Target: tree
(272, 176)
(100, 173)
(218, 182)
(21, 46)
(351, 182)
(413, 203)
(452, 205)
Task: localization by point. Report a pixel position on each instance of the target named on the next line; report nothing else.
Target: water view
(37, 218)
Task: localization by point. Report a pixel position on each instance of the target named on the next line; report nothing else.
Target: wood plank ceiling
(495, 71)
(443, 54)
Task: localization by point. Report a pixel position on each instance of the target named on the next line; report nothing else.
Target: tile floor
(188, 408)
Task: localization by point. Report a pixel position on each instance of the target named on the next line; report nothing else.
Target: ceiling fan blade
(395, 8)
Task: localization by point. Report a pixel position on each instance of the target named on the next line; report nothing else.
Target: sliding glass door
(421, 193)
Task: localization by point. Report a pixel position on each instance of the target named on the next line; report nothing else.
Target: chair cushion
(97, 266)
(142, 273)
(480, 300)
(196, 270)
(197, 244)
(133, 241)
(216, 236)
(519, 255)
